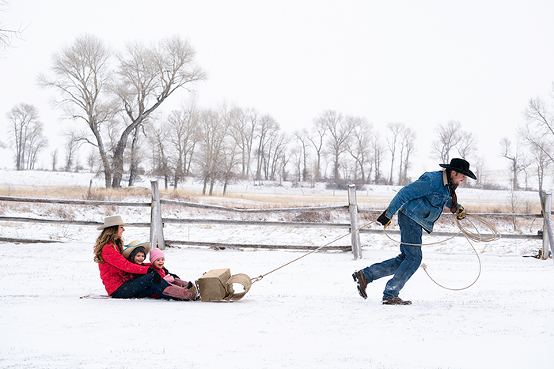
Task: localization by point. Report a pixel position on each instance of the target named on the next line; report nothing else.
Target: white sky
(421, 63)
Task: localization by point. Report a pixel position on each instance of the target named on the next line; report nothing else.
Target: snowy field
(306, 315)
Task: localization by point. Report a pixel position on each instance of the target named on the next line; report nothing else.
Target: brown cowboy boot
(360, 280)
(395, 301)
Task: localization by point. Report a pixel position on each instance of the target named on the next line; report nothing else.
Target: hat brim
(468, 173)
(127, 251)
(104, 226)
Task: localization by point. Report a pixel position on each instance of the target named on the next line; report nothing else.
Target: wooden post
(156, 225)
(353, 209)
(547, 228)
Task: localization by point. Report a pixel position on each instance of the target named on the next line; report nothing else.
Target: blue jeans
(141, 287)
(404, 265)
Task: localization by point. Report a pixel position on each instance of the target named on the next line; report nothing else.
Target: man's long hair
(108, 236)
(452, 188)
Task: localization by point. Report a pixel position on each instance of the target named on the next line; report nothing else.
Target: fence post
(353, 210)
(156, 225)
(547, 229)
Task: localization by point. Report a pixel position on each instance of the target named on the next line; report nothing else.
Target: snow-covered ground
(306, 315)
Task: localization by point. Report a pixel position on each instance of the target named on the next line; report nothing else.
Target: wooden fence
(157, 221)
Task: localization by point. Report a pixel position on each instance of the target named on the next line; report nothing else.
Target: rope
(260, 277)
(470, 236)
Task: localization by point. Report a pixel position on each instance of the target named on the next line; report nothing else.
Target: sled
(217, 285)
(95, 296)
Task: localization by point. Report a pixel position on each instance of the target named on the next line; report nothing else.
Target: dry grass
(62, 192)
(256, 200)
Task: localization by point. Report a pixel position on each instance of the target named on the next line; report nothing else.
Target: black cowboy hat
(460, 166)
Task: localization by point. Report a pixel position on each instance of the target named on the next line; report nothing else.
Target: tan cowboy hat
(111, 221)
(133, 245)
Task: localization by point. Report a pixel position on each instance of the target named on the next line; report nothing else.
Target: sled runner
(95, 296)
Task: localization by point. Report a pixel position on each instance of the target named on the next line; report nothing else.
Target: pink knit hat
(155, 254)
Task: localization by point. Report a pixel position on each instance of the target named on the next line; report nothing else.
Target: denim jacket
(422, 200)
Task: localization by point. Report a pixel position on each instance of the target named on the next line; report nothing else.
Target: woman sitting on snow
(116, 271)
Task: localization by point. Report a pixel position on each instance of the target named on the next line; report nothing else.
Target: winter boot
(193, 291)
(180, 282)
(179, 293)
(395, 301)
(359, 278)
(197, 297)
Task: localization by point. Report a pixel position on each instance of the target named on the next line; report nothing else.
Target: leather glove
(460, 213)
(383, 219)
(156, 277)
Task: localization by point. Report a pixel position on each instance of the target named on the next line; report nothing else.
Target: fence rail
(157, 221)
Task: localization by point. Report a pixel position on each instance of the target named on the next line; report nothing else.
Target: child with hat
(157, 262)
(136, 252)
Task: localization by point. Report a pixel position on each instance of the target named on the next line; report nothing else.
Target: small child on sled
(157, 260)
(136, 253)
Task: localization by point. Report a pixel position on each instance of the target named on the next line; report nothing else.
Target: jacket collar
(444, 179)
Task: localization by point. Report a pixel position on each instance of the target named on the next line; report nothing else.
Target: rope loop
(471, 236)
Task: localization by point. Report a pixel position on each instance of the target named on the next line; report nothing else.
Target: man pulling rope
(419, 205)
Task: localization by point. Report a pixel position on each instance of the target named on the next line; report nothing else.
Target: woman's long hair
(107, 236)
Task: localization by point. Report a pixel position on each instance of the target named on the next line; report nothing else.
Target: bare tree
(267, 129)
(395, 129)
(513, 155)
(37, 142)
(449, 136)
(303, 141)
(135, 154)
(378, 156)
(359, 147)
(6, 34)
(54, 157)
(144, 78)
(91, 161)
(543, 163)
(71, 149)
(26, 134)
(228, 159)
(147, 77)
(158, 137)
(539, 128)
(316, 137)
(213, 133)
(81, 75)
(183, 125)
(277, 154)
(340, 131)
(407, 148)
(467, 145)
(243, 129)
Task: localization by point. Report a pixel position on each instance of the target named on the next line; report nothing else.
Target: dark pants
(141, 287)
(404, 265)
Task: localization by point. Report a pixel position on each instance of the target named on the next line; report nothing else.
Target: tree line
(113, 97)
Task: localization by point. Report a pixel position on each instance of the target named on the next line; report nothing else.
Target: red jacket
(160, 270)
(116, 270)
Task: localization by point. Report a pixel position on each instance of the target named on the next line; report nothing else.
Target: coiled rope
(470, 236)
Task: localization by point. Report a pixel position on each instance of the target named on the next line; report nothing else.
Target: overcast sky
(421, 63)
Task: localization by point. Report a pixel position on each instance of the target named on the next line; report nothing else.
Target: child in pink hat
(157, 261)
